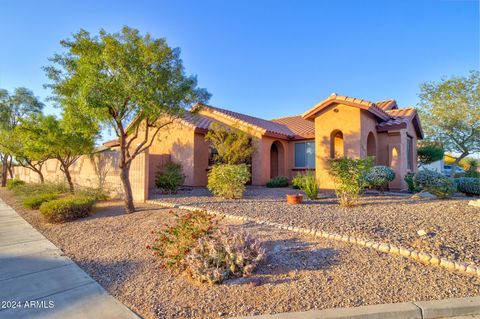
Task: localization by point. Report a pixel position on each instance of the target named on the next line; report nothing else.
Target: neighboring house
(337, 126)
(437, 166)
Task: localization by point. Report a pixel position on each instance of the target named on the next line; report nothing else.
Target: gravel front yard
(452, 227)
(300, 273)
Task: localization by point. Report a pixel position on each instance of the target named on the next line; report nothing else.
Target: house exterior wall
(337, 117)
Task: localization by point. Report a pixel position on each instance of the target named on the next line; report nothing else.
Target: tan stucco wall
(341, 117)
(84, 174)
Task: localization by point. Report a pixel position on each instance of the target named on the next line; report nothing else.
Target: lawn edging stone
(422, 257)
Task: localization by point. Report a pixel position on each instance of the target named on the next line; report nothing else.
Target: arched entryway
(371, 145)
(277, 164)
(336, 144)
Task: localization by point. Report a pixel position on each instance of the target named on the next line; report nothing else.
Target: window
(409, 152)
(305, 154)
(212, 156)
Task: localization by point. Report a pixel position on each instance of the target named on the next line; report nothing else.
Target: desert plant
(14, 183)
(379, 176)
(310, 185)
(67, 208)
(170, 178)
(35, 201)
(435, 183)
(298, 180)
(408, 178)
(279, 181)
(429, 152)
(96, 193)
(349, 177)
(30, 189)
(472, 170)
(468, 185)
(228, 181)
(174, 242)
(224, 255)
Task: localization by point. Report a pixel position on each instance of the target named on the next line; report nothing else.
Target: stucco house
(337, 126)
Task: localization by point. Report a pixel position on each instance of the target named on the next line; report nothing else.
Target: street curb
(421, 257)
(411, 310)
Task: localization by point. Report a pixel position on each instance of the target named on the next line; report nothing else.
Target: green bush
(309, 185)
(435, 183)
(279, 181)
(379, 176)
(228, 180)
(95, 193)
(468, 185)
(14, 183)
(224, 255)
(37, 189)
(349, 177)
(67, 208)
(170, 178)
(35, 201)
(410, 182)
(298, 181)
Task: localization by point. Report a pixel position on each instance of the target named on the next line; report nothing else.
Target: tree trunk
(40, 174)
(127, 187)
(9, 166)
(4, 170)
(456, 163)
(69, 179)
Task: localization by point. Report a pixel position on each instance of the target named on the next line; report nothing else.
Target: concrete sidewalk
(38, 281)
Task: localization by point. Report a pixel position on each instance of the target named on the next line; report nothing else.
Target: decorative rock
(474, 203)
(414, 255)
(460, 266)
(471, 269)
(290, 228)
(375, 245)
(384, 248)
(478, 271)
(421, 232)
(394, 250)
(447, 264)
(361, 242)
(424, 257)
(405, 252)
(435, 260)
(352, 239)
(337, 237)
(344, 238)
(369, 244)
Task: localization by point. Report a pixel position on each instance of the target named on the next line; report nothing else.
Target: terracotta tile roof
(400, 119)
(300, 127)
(387, 105)
(196, 120)
(264, 126)
(334, 98)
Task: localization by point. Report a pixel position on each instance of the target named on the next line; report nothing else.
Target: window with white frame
(305, 154)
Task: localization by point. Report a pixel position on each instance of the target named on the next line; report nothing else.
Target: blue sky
(264, 58)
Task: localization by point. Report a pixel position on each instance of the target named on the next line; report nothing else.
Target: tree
(120, 77)
(429, 152)
(450, 112)
(13, 108)
(65, 141)
(232, 145)
(28, 149)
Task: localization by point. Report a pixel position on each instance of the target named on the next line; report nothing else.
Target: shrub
(224, 255)
(67, 208)
(410, 182)
(14, 183)
(170, 178)
(95, 193)
(468, 185)
(379, 176)
(35, 201)
(37, 188)
(472, 170)
(349, 177)
(435, 183)
(429, 152)
(309, 185)
(175, 242)
(298, 181)
(227, 180)
(279, 181)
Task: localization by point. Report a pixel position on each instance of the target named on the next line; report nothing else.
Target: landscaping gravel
(300, 273)
(450, 227)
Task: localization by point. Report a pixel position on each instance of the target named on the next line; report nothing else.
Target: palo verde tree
(65, 140)
(13, 108)
(450, 112)
(121, 78)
